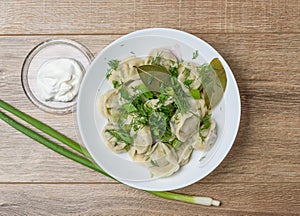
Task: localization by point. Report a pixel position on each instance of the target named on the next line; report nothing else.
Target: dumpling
(183, 126)
(162, 57)
(141, 144)
(126, 70)
(110, 141)
(139, 158)
(162, 161)
(142, 140)
(109, 104)
(210, 137)
(184, 152)
(202, 108)
(130, 90)
(189, 71)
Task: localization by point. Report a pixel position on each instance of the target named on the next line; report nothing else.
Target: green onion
(195, 93)
(176, 143)
(205, 126)
(206, 118)
(50, 144)
(116, 84)
(119, 135)
(44, 128)
(79, 159)
(186, 198)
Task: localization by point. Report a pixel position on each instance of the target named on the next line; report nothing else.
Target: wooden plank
(240, 16)
(66, 17)
(267, 146)
(154, 13)
(107, 199)
(118, 17)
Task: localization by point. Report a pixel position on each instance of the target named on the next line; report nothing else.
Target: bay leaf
(154, 76)
(219, 69)
(214, 82)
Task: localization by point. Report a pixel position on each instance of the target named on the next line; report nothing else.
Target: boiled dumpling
(109, 104)
(142, 140)
(110, 141)
(139, 158)
(162, 57)
(210, 136)
(131, 89)
(184, 152)
(189, 71)
(184, 125)
(126, 70)
(162, 160)
(202, 108)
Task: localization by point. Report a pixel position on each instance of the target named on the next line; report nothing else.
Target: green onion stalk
(83, 157)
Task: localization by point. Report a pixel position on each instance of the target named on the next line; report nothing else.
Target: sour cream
(59, 79)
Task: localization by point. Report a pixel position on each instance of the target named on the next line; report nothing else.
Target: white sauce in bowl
(59, 79)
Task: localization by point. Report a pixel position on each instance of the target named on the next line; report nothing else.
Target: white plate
(226, 113)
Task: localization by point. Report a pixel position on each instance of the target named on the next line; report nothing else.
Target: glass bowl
(50, 49)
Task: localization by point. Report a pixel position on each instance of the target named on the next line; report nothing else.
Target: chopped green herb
(187, 83)
(202, 158)
(174, 71)
(205, 126)
(143, 90)
(206, 118)
(108, 73)
(158, 124)
(116, 84)
(195, 93)
(162, 98)
(169, 91)
(187, 71)
(124, 93)
(129, 107)
(120, 135)
(154, 163)
(179, 96)
(176, 143)
(201, 136)
(156, 59)
(195, 54)
(168, 137)
(127, 147)
(113, 65)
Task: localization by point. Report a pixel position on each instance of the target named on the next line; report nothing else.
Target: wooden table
(261, 42)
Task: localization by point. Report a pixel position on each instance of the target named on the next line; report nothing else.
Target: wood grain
(108, 199)
(119, 17)
(240, 16)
